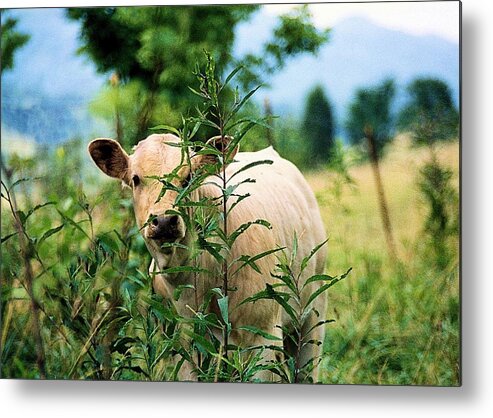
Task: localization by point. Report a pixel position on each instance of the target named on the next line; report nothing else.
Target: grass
(397, 323)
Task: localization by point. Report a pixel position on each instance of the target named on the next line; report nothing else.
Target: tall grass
(397, 323)
(394, 323)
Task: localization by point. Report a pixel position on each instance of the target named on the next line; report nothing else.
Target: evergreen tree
(318, 126)
(430, 113)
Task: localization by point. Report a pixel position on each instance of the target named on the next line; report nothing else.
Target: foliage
(293, 35)
(396, 324)
(370, 115)
(209, 218)
(88, 298)
(154, 47)
(430, 117)
(430, 112)
(12, 40)
(318, 126)
(288, 293)
(442, 203)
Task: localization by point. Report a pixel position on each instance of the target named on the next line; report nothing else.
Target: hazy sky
(440, 18)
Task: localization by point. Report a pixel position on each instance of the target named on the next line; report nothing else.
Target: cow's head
(158, 155)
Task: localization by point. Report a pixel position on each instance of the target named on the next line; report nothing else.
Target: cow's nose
(165, 227)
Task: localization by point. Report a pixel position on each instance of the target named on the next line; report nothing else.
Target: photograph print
(232, 193)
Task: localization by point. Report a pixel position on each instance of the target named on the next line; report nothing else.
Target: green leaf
(49, 233)
(231, 75)
(318, 292)
(72, 222)
(250, 261)
(183, 269)
(6, 237)
(194, 130)
(241, 103)
(262, 122)
(223, 308)
(242, 228)
(122, 345)
(37, 207)
(289, 282)
(280, 297)
(198, 93)
(174, 245)
(204, 345)
(160, 310)
(318, 324)
(240, 198)
(258, 331)
(166, 128)
(319, 277)
(305, 260)
(346, 273)
(294, 250)
(21, 216)
(22, 180)
(108, 243)
(179, 290)
(250, 165)
(324, 277)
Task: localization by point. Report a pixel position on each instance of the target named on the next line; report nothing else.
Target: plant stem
(225, 215)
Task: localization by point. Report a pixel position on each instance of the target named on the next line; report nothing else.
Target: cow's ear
(217, 143)
(110, 157)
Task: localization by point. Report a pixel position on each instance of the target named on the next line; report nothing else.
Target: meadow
(77, 300)
(397, 321)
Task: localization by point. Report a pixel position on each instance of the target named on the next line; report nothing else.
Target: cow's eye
(135, 180)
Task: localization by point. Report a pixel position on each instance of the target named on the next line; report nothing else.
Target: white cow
(279, 195)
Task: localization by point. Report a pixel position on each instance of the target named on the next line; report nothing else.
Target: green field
(396, 320)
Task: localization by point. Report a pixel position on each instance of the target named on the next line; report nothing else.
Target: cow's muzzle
(166, 228)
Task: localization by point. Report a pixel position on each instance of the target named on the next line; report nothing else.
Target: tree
(430, 116)
(318, 125)
(12, 40)
(430, 113)
(153, 50)
(370, 120)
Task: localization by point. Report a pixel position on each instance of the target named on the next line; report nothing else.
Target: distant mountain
(358, 54)
(47, 94)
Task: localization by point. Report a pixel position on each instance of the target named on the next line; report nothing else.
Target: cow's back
(281, 196)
